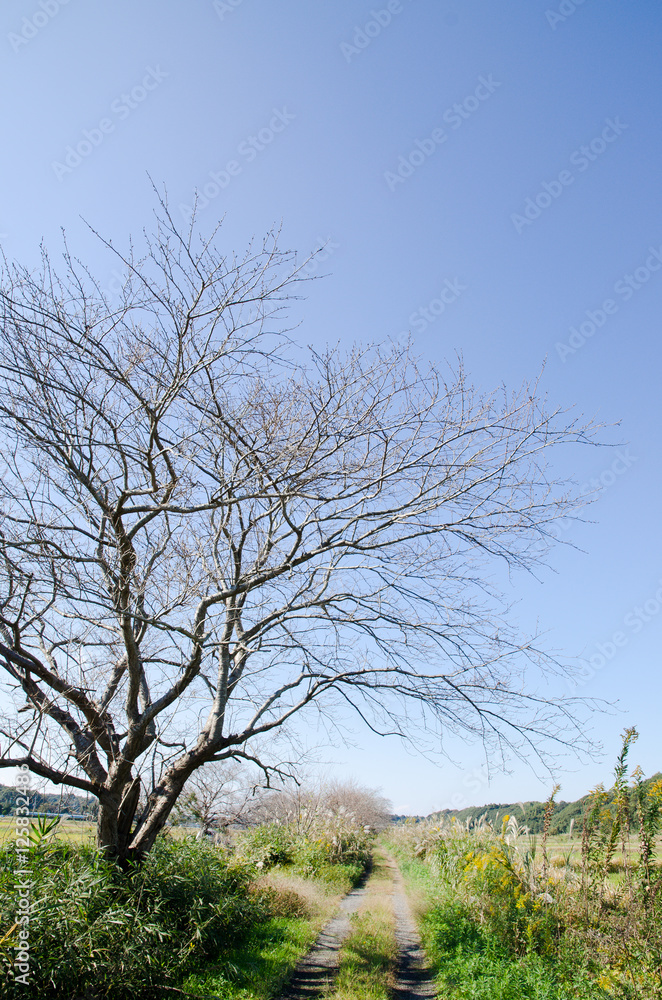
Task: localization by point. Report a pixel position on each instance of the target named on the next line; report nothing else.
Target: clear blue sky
(489, 111)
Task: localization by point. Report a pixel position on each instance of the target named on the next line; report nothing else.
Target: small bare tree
(202, 534)
(216, 797)
(366, 805)
(300, 805)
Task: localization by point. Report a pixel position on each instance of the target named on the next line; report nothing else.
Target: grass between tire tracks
(368, 956)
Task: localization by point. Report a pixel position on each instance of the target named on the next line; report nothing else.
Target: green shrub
(120, 934)
(333, 848)
(496, 978)
(339, 877)
(472, 961)
(267, 845)
(450, 930)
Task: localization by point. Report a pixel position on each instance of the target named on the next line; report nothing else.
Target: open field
(564, 850)
(70, 830)
(74, 831)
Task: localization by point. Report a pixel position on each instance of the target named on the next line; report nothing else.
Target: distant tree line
(532, 814)
(48, 802)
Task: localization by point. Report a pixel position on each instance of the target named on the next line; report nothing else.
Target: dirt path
(314, 975)
(412, 978)
(316, 971)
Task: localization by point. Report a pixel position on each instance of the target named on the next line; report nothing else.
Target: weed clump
(96, 928)
(327, 845)
(508, 916)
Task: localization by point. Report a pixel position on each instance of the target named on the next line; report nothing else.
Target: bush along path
(506, 917)
(370, 950)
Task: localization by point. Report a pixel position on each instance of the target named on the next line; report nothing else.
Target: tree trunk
(107, 825)
(116, 814)
(159, 806)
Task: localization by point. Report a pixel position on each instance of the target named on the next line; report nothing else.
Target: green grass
(256, 969)
(367, 959)
(190, 916)
(69, 830)
(471, 964)
(78, 831)
(258, 965)
(483, 977)
(103, 932)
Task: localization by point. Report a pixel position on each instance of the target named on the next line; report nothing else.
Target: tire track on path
(413, 980)
(314, 973)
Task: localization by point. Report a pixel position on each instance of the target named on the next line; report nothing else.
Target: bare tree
(217, 797)
(203, 534)
(301, 804)
(366, 805)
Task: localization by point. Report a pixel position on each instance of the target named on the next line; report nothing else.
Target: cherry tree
(207, 532)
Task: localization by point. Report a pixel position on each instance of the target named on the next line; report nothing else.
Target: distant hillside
(531, 814)
(48, 802)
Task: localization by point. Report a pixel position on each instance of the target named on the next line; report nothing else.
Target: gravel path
(315, 973)
(412, 979)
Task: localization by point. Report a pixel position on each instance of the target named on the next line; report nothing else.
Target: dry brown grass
(314, 900)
